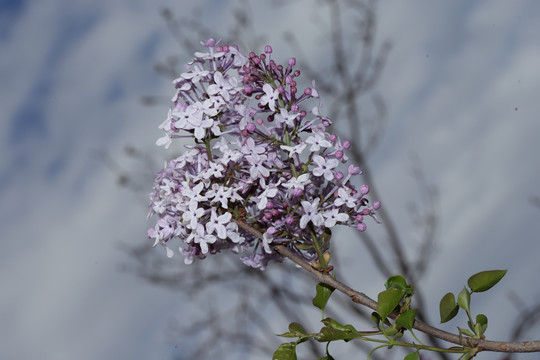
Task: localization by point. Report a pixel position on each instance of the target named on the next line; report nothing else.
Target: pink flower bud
(359, 218)
(376, 205)
(210, 42)
(289, 220)
(260, 121)
(354, 170)
(346, 144)
(271, 230)
(361, 226)
(251, 127)
(292, 62)
(338, 154)
(364, 189)
(268, 49)
(297, 192)
(269, 205)
(338, 175)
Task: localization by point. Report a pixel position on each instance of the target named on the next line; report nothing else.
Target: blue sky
(462, 85)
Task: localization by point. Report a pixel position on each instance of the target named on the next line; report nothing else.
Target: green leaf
(388, 300)
(323, 294)
(481, 324)
(485, 280)
(448, 307)
(399, 282)
(331, 323)
(465, 332)
(412, 356)
(406, 319)
(297, 329)
(288, 334)
(286, 351)
(464, 299)
(330, 334)
(376, 318)
(396, 282)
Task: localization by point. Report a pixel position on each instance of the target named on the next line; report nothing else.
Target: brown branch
(363, 299)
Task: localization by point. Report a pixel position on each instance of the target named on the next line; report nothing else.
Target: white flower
(164, 141)
(194, 195)
(233, 234)
(269, 192)
(222, 86)
(311, 213)
(324, 167)
(317, 141)
(345, 197)
(298, 182)
(217, 224)
(270, 96)
(333, 216)
(195, 75)
(266, 240)
(192, 215)
(215, 169)
(284, 117)
(200, 125)
(219, 193)
(230, 156)
(251, 149)
(201, 238)
(294, 149)
(257, 166)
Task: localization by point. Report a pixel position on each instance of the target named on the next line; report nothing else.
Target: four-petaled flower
(217, 224)
(311, 213)
(333, 216)
(324, 167)
(270, 96)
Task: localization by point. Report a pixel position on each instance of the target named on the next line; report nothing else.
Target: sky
(461, 84)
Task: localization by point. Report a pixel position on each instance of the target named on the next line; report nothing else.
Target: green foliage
(448, 307)
(485, 280)
(388, 300)
(412, 356)
(323, 293)
(478, 282)
(286, 351)
(395, 303)
(464, 299)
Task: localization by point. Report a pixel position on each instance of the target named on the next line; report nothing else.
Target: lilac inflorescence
(260, 157)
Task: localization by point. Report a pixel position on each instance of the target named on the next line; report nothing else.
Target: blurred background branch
(244, 325)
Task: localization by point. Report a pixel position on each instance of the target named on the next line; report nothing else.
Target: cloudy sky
(462, 85)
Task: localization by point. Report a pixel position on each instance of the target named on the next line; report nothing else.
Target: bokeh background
(461, 86)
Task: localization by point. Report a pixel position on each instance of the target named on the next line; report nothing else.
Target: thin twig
(363, 299)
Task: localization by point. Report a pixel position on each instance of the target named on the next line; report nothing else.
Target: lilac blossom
(261, 155)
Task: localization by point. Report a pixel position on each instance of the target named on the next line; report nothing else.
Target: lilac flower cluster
(260, 157)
